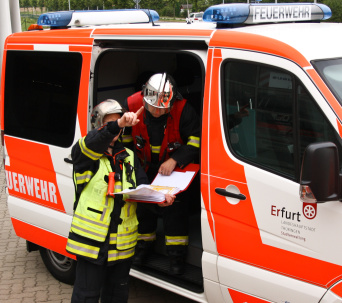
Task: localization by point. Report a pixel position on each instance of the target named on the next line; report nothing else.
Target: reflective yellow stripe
(82, 249)
(113, 238)
(89, 228)
(147, 237)
(127, 138)
(105, 209)
(88, 233)
(155, 149)
(84, 177)
(194, 141)
(92, 222)
(87, 152)
(127, 240)
(117, 186)
(114, 255)
(176, 240)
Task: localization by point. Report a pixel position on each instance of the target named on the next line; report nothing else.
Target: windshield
(331, 72)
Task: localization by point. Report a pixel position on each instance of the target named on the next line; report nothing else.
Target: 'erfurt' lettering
(283, 213)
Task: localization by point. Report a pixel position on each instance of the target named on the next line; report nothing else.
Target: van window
(41, 93)
(331, 72)
(271, 118)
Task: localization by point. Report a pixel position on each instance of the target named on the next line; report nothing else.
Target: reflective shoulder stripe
(83, 177)
(177, 240)
(87, 152)
(82, 249)
(194, 141)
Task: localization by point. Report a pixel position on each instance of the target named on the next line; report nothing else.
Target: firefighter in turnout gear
(167, 136)
(103, 233)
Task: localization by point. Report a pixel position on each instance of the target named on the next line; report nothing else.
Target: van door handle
(67, 160)
(223, 192)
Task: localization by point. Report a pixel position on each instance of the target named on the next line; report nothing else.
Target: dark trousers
(175, 220)
(109, 282)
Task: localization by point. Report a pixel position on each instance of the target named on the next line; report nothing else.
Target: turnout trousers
(175, 220)
(110, 282)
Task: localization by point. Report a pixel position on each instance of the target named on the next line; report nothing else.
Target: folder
(178, 181)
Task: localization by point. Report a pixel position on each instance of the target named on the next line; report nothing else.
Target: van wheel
(61, 267)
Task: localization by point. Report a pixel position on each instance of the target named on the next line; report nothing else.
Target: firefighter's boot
(177, 265)
(142, 251)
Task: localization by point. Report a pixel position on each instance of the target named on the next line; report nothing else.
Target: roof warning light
(240, 13)
(98, 17)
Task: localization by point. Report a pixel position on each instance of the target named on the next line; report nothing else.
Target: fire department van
(266, 81)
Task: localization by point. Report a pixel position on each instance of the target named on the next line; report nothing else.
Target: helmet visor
(156, 111)
(159, 99)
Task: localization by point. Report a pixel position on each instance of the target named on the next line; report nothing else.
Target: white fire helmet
(161, 92)
(104, 108)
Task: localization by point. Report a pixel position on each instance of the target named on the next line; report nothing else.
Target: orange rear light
(33, 27)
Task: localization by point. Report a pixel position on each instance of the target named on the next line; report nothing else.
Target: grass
(27, 21)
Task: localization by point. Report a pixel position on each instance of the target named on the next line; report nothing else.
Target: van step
(157, 265)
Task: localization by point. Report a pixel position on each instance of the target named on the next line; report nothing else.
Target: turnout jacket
(175, 135)
(103, 227)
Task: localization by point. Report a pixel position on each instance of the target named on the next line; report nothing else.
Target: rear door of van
(44, 111)
(262, 112)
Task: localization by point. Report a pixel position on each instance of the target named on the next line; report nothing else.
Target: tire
(60, 267)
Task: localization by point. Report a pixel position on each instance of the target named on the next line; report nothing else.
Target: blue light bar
(243, 13)
(55, 19)
(98, 17)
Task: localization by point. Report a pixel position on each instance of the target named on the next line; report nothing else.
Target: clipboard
(190, 172)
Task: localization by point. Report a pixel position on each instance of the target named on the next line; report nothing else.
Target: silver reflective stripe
(121, 253)
(104, 212)
(91, 221)
(146, 238)
(89, 153)
(193, 141)
(177, 241)
(83, 249)
(155, 149)
(88, 231)
(128, 234)
(127, 138)
(83, 178)
(117, 188)
(112, 238)
(128, 210)
(118, 245)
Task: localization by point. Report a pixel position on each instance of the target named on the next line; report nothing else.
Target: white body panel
(266, 284)
(39, 216)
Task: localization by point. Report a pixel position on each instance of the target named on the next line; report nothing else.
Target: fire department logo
(309, 210)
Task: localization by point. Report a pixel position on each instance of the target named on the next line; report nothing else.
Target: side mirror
(320, 179)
